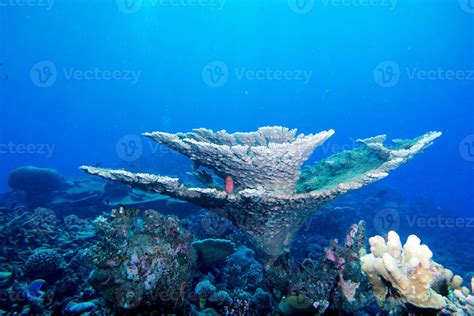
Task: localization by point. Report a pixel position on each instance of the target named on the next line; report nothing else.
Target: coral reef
(403, 277)
(46, 264)
(211, 251)
(271, 200)
(43, 262)
(142, 261)
(335, 282)
(243, 271)
(37, 183)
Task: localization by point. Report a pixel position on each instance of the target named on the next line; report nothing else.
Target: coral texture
(410, 270)
(142, 260)
(401, 275)
(271, 201)
(44, 263)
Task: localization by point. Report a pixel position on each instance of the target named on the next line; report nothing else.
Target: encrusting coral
(407, 276)
(142, 259)
(271, 200)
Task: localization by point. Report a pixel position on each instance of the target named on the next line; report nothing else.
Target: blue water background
(170, 45)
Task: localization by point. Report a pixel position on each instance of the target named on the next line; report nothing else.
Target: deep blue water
(342, 47)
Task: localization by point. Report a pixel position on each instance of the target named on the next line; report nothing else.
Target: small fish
(98, 164)
(229, 185)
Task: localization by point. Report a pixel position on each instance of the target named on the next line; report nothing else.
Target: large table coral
(273, 198)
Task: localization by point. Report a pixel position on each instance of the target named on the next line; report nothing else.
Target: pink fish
(229, 185)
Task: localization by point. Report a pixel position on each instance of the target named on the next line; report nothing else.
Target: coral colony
(273, 198)
(239, 255)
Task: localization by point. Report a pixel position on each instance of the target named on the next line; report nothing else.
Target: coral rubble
(272, 199)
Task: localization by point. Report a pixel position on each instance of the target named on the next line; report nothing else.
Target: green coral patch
(339, 168)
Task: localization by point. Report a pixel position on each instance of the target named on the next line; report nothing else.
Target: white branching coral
(409, 270)
(407, 274)
(272, 197)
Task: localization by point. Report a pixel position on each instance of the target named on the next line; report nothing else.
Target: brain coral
(44, 264)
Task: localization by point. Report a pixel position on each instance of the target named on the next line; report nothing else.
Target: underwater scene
(237, 157)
